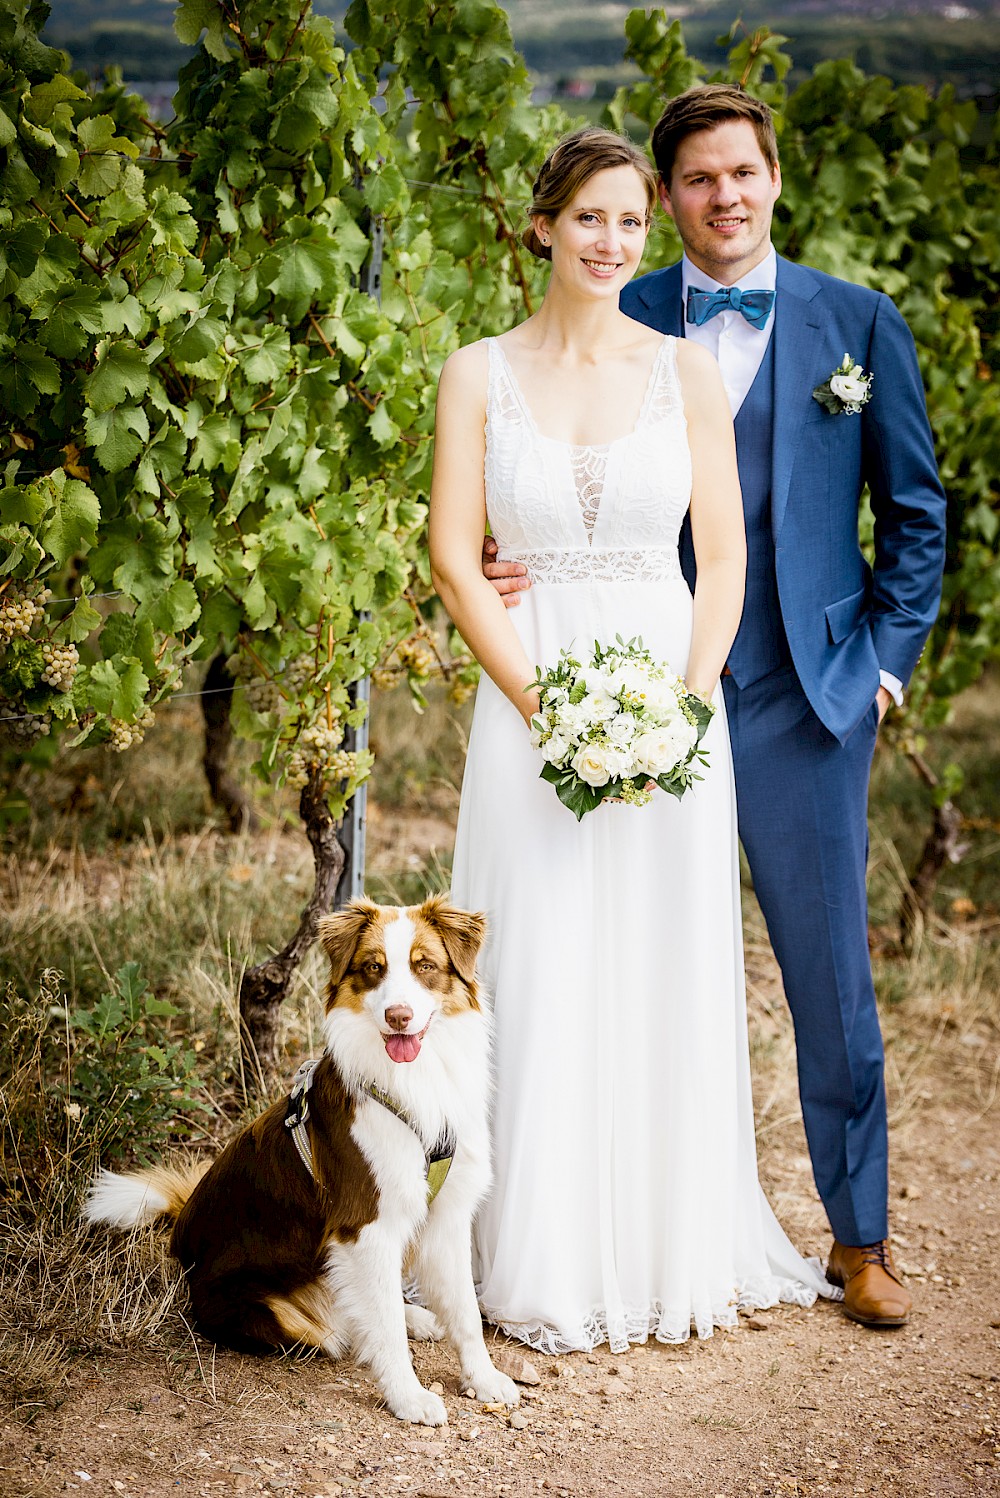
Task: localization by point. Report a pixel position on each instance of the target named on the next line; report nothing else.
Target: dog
(301, 1231)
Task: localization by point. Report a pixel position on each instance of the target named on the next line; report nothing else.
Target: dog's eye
(373, 969)
(425, 966)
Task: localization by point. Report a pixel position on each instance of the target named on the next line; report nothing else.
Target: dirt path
(795, 1402)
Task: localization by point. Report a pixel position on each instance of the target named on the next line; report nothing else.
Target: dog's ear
(340, 934)
(462, 932)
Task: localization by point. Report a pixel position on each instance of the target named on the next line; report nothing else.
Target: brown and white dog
(285, 1245)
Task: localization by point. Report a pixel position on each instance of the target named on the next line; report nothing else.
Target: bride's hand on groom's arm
(508, 578)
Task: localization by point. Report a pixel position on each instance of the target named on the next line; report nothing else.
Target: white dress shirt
(739, 350)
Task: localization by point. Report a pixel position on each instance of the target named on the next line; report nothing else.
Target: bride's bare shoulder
(702, 390)
(470, 357)
(694, 361)
(466, 369)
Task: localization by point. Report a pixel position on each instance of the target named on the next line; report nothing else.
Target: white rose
(661, 699)
(632, 676)
(660, 749)
(595, 679)
(620, 730)
(849, 388)
(685, 737)
(653, 752)
(590, 763)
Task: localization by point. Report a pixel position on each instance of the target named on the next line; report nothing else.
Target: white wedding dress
(625, 1200)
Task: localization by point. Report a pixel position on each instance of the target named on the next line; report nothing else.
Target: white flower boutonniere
(847, 389)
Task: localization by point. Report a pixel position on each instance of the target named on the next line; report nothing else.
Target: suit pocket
(844, 616)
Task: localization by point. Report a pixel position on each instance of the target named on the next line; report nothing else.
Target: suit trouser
(802, 800)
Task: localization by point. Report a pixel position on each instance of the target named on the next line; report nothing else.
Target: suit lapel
(660, 295)
(796, 321)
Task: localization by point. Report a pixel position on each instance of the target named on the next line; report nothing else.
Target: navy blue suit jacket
(844, 620)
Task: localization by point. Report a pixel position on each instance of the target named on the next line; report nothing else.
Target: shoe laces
(877, 1253)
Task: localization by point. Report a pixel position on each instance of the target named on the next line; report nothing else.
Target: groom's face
(721, 196)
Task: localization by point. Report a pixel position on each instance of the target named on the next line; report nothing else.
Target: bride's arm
(458, 525)
(717, 526)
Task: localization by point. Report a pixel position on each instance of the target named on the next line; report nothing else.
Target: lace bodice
(595, 513)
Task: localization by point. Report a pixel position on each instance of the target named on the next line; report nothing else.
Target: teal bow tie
(755, 306)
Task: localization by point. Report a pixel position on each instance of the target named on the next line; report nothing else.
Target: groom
(825, 643)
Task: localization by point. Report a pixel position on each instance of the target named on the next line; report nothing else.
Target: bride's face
(597, 240)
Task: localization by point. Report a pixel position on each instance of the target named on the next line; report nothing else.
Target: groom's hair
(704, 107)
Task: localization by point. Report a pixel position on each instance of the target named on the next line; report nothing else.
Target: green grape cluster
(460, 691)
(21, 728)
(298, 673)
(127, 735)
(61, 662)
(20, 612)
(262, 694)
(415, 657)
(319, 748)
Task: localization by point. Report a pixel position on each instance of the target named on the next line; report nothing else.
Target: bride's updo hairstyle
(571, 163)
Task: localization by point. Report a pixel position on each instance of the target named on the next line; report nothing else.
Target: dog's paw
(493, 1387)
(419, 1406)
(422, 1325)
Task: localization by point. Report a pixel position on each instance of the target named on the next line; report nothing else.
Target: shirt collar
(763, 277)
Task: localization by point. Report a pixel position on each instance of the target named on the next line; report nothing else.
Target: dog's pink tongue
(403, 1047)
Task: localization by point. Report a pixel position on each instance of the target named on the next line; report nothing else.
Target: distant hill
(578, 44)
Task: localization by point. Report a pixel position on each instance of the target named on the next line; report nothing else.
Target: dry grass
(84, 890)
(33, 1370)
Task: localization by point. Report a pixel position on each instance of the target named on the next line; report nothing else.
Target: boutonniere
(847, 389)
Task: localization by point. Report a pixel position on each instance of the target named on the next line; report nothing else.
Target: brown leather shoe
(873, 1294)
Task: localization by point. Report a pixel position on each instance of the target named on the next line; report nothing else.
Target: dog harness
(437, 1161)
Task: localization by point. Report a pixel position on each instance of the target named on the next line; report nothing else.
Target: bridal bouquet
(617, 724)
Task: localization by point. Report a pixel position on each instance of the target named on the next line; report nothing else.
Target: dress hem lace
(662, 1324)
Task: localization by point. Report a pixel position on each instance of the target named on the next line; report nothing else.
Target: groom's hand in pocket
(884, 700)
(509, 578)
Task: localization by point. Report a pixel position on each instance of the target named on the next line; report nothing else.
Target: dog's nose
(398, 1016)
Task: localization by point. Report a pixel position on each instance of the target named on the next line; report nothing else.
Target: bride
(626, 1201)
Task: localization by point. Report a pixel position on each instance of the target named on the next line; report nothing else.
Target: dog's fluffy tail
(125, 1201)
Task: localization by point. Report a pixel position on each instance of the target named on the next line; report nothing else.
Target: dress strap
(663, 395)
(503, 399)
